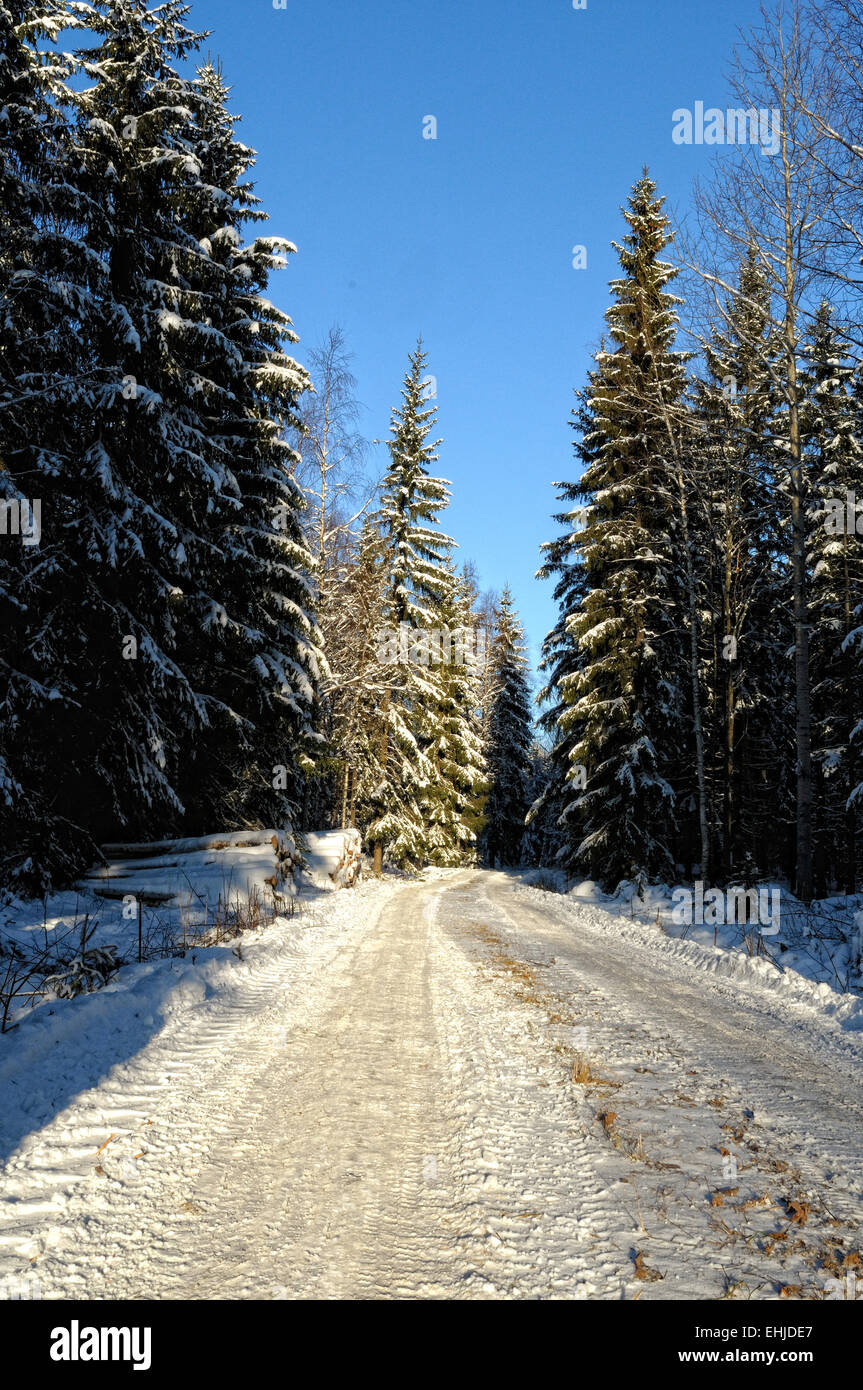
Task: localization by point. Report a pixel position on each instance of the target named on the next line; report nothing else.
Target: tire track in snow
(381, 1113)
(786, 1098)
(97, 1233)
(540, 1217)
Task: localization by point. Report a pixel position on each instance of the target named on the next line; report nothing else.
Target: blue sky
(545, 117)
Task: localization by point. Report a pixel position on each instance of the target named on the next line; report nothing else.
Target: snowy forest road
(480, 1091)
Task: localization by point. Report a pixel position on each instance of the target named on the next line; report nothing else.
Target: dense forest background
(215, 614)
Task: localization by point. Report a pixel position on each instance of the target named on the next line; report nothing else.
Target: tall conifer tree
(53, 301)
(832, 435)
(415, 554)
(509, 740)
(453, 802)
(626, 695)
(745, 580)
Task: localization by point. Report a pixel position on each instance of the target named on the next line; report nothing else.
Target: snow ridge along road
(462, 1088)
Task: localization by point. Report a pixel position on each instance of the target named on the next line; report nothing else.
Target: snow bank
(64, 1049)
(813, 961)
(179, 894)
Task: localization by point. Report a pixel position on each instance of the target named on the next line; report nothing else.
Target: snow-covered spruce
(169, 613)
(746, 629)
(832, 431)
(509, 735)
(620, 658)
(53, 307)
(453, 803)
(414, 553)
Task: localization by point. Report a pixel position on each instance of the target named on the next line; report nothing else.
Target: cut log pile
(334, 858)
(192, 871)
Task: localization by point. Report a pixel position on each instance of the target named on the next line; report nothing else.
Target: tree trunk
(730, 808)
(379, 848)
(692, 604)
(850, 857)
(345, 777)
(704, 832)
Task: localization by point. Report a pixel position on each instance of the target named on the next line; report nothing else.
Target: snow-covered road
(385, 1107)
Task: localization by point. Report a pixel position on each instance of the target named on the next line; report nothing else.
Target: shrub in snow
(86, 973)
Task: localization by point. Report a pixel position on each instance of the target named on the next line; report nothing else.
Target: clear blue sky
(546, 116)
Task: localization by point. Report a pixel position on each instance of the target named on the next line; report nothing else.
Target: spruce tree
(174, 589)
(415, 556)
(745, 581)
(452, 804)
(509, 740)
(831, 424)
(52, 299)
(626, 699)
(247, 612)
(543, 837)
(146, 472)
(562, 658)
